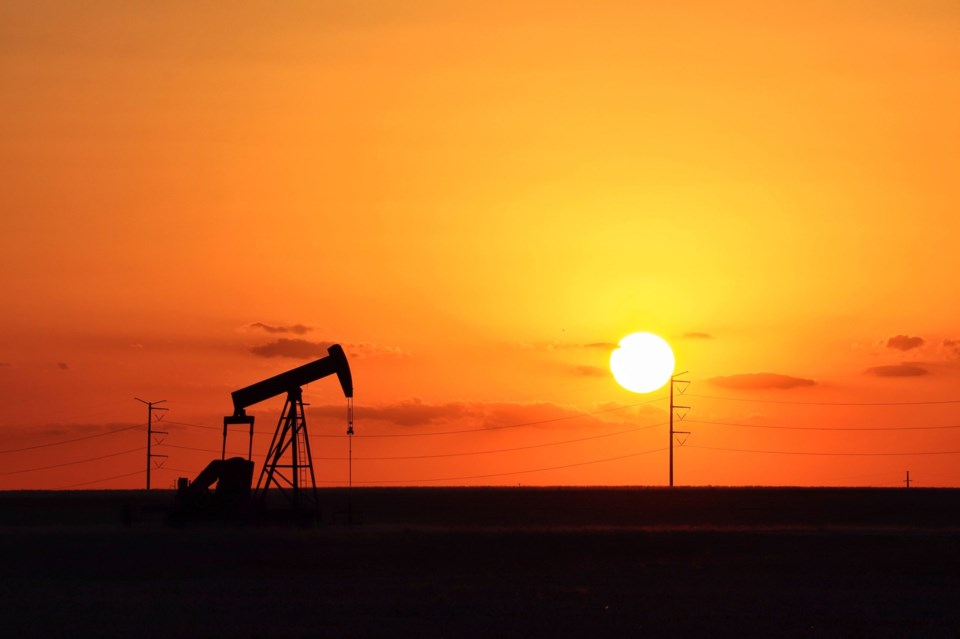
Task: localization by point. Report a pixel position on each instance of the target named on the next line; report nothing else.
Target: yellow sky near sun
(471, 193)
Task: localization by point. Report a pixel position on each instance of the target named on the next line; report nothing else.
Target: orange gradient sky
(478, 202)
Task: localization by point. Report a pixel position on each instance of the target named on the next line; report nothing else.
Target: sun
(642, 363)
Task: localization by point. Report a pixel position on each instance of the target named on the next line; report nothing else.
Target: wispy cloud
(952, 347)
(761, 381)
(296, 348)
(367, 349)
(590, 371)
(295, 329)
(491, 415)
(905, 342)
(415, 413)
(697, 335)
(897, 370)
(293, 348)
(558, 346)
(63, 366)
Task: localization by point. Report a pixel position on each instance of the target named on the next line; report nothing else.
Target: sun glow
(642, 363)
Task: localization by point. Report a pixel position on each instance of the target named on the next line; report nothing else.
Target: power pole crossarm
(151, 406)
(673, 408)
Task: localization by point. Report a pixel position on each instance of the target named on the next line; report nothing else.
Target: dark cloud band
(761, 381)
(897, 370)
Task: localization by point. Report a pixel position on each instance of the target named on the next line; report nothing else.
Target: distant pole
(350, 460)
(150, 432)
(673, 407)
(907, 480)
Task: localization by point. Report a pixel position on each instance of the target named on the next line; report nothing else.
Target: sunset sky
(478, 202)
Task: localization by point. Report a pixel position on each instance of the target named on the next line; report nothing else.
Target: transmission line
(462, 454)
(519, 425)
(167, 421)
(824, 454)
(69, 441)
(463, 430)
(793, 403)
(499, 450)
(79, 461)
(97, 481)
(515, 472)
(826, 428)
(211, 450)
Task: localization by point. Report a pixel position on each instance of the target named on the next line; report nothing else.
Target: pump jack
(288, 466)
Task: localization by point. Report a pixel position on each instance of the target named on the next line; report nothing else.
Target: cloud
(905, 342)
(62, 366)
(366, 349)
(294, 348)
(697, 335)
(897, 370)
(5, 364)
(590, 371)
(761, 381)
(296, 329)
(491, 415)
(411, 412)
(556, 346)
(607, 346)
(415, 413)
(952, 347)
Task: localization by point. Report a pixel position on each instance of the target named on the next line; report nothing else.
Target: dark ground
(492, 563)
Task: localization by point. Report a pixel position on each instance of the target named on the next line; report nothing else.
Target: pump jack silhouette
(288, 467)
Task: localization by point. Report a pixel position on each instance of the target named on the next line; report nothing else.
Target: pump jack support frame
(294, 477)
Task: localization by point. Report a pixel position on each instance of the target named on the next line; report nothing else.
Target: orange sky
(477, 202)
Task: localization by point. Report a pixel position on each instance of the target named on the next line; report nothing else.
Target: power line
(462, 454)
(498, 450)
(823, 454)
(167, 421)
(515, 472)
(519, 425)
(826, 428)
(211, 450)
(773, 401)
(176, 470)
(463, 430)
(75, 439)
(97, 481)
(80, 461)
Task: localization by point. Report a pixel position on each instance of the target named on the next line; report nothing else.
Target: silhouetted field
(492, 563)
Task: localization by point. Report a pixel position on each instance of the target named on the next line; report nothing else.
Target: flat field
(509, 562)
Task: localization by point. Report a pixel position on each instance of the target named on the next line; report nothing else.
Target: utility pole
(907, 480)
(673, 408)
(151, 432)
(350, 460)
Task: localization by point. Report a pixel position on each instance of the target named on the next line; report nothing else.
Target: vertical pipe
(350, 460)
(295, 452)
